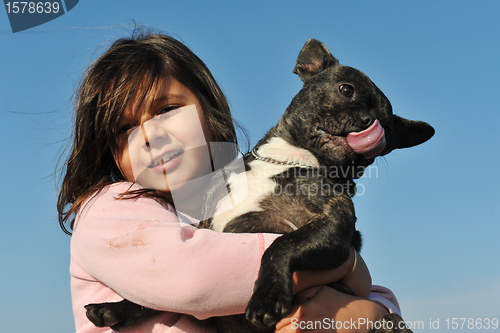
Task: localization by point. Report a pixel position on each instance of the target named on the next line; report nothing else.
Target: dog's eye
(346, 90)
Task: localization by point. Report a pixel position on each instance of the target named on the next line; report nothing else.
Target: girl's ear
(407, 133)
(313, 58)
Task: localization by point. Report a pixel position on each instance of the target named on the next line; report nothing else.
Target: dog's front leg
(319, 245)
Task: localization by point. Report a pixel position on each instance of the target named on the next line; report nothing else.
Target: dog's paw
(267, 311)
(99, 315)
(102, 315)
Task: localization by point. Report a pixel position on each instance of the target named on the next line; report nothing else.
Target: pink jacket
(140, 250)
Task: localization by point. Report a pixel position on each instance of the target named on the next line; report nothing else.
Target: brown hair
(106, 88)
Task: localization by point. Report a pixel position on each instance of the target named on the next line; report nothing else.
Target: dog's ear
(407, 133)
(313, 58)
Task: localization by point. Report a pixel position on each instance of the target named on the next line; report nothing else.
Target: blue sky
(430, 215)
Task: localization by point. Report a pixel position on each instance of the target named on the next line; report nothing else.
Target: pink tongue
(369, 142)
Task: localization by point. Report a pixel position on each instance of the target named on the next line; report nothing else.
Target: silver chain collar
(294, 164)
(278, 162)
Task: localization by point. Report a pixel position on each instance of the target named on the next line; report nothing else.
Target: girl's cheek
(188, 125)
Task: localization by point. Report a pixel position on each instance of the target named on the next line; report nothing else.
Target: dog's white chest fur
(249, 188)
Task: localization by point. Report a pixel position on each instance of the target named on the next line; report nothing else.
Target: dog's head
(341, 116)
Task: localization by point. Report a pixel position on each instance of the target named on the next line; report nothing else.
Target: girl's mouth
(165, 159)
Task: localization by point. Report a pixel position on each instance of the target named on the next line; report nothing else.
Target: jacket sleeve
(141, 250)
(385, 297)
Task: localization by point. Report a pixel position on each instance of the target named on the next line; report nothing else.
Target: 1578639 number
(32, 7)
(471, 323)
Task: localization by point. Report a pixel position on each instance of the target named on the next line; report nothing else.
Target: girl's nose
(155, 135)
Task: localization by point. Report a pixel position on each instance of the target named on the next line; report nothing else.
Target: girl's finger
(306, 295)
(286, 325)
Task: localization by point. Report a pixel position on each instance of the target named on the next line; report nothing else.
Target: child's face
(165, 147)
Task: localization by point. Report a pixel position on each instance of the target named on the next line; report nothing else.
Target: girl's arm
(141, 251)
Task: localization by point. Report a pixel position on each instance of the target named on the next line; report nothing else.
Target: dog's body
(300, 177)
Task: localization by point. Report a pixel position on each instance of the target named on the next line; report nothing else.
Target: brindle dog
(304, 167)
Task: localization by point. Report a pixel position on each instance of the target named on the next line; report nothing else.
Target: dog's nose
(367, 119)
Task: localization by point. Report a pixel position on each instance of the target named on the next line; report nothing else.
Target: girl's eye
(168, 108)
(125, 129)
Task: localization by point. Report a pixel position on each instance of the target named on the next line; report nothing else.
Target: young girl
(128, 240)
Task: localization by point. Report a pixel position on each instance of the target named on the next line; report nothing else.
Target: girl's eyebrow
(170, 97)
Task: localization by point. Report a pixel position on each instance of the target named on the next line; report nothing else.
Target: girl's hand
(323, 309)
